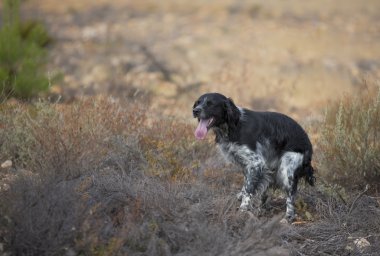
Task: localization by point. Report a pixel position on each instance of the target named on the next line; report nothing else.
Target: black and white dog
(271, 147)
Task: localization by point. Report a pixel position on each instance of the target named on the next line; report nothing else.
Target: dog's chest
(239, 154)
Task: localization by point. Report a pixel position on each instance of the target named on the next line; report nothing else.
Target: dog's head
(214, 110)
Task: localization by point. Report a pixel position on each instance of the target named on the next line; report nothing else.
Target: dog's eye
(209, 103)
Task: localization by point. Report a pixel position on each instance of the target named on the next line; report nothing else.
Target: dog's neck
(221, 133)
(227, 132)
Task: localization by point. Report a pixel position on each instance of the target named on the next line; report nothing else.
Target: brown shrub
(171, 150)
(65, 139)
(47, 207)
(338, 226)
(100, 178)
(350, 145)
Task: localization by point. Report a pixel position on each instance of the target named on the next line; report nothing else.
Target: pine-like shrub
(22, 55)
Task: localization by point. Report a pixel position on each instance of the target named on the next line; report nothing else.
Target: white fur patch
(241, 155)
(261, 167)
(245, 203)
(289, 162)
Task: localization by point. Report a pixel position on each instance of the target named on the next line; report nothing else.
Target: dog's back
(283, 133)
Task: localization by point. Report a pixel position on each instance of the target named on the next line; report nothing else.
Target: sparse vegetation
(339, 227)
(100, 178)
(96, 179)
(22, 55)
(350, 140)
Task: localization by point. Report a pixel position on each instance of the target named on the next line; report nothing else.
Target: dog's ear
(232, 112)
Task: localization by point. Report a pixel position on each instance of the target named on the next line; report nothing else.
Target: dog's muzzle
(197, 111)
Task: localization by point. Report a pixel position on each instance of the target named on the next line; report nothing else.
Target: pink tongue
(201, 131)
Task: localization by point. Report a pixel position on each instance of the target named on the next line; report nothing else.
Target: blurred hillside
(292, 56)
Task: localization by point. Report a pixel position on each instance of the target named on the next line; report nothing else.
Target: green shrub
(350, 145)
(21, 55)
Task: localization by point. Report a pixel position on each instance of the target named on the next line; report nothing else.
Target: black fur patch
(280, 141)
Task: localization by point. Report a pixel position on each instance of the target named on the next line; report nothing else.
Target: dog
(272, 149)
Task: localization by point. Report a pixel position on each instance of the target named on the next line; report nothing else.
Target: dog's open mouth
(202, 129)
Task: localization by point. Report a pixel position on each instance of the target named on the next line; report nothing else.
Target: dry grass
(350, 147)
(339, 226)
(76, 137)
(97, 177)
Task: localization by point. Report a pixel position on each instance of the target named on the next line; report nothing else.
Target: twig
(229, 207)
(334, 189)
(357, 198)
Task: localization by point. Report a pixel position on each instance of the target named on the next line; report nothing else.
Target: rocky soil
(292, 56)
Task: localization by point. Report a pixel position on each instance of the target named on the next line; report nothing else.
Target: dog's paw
(284, 221)
(288, 219)
(244, 208)
(239, 196)
(246, 202)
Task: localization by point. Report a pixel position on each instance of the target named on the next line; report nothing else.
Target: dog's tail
(308, 170)
(309, 175)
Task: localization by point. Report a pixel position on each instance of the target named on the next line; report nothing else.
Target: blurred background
(95, 113)
(291, 56)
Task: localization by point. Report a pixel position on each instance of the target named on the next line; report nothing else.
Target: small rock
(6, 164)
(349, 248)
(56, 89)
(94, 32)
(361, 243)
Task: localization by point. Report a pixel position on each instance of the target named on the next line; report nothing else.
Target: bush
(57, 151)
(171, 150)
(100, 178)
(338, 228)
(22, 55)
(65, 139)
(350, 143)
(86, 181)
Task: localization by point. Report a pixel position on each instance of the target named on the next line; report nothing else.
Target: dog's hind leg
(290, 162)
(290, 200)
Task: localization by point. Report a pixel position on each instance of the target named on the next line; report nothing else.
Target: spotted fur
(271, 148)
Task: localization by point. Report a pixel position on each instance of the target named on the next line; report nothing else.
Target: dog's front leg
(247, 192)
(256, 182)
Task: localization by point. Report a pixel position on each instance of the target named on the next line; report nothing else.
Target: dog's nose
(196, 111)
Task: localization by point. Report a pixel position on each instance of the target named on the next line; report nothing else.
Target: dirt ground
(291, 56)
